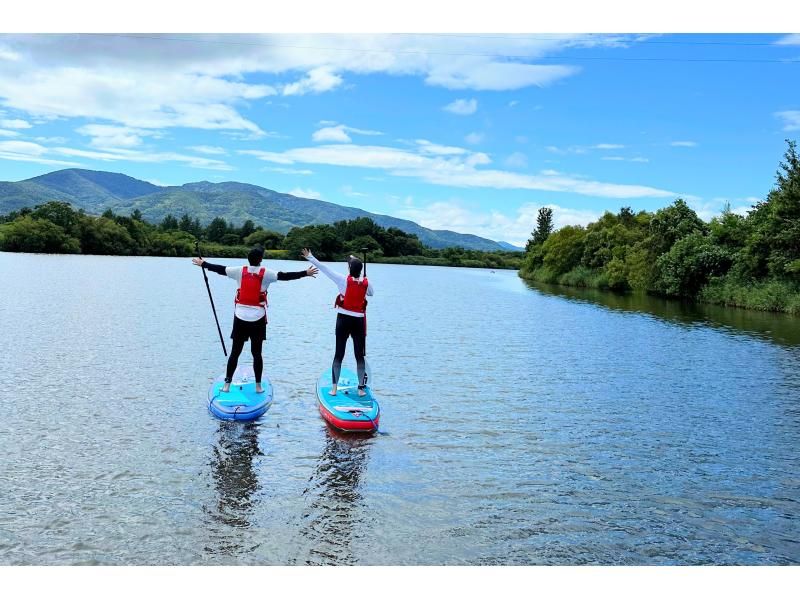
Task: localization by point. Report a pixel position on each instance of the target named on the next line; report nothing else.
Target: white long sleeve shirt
(340, 280)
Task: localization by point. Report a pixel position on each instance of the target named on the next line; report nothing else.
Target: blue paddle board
(347, 411)
(242, 402)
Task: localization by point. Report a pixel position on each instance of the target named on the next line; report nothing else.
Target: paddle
(210, 298)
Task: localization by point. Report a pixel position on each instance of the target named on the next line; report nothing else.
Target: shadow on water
(236, 483)
(782, 329)
(334, 506)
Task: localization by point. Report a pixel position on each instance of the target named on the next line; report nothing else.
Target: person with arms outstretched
(250, 314)
(351, 319)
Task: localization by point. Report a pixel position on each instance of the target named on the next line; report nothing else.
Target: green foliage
(747, 261)
(37, 236)
(689, 264)
(268, 239)
(564, 248)
(105, 237)
(544, 226)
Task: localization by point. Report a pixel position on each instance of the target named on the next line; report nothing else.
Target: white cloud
(112, 136)
(204, 81)
(428, 147)
(474, 138)
(317, 80)
(517, 160)
(26, 151)
(338, 133)
(514, 228)
(300, 171)
(622, 159)
(208, 150)
(348, 190)
(711, 208)
(462, 107)
(582, 149)
(15, 123)
(793, 39)
(34, 152)
(791, 119)
(683, 143)
(513, 103)
(51, 140)
(453, 170)
(309, 193)
(4, 133)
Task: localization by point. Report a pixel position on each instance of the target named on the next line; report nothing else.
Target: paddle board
(347, 411)
(242, 402)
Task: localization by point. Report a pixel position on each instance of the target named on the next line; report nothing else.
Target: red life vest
(249, 291)
(355, 296)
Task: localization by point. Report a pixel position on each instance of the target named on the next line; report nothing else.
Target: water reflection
(779, 328)
(335, 504)
(236, 483)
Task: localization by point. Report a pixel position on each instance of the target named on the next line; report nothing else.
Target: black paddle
(210, 298)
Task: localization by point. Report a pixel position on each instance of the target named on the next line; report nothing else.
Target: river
(524, 424)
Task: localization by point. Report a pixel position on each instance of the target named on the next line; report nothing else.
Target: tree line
(750, 261)
(55, 227)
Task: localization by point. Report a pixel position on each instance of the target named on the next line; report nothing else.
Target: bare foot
(226, 387)
(332, 391)
(259, 388)
(362, 392)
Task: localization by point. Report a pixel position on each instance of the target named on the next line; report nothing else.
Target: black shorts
(244, 330)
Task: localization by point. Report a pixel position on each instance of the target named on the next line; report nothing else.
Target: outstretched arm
(218, 268)
(338, 279)
(312, 271)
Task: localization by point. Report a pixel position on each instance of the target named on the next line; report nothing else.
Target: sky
(461, 131)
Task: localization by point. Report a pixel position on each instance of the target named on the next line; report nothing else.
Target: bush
(36, 236)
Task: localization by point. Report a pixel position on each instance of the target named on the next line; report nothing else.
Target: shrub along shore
(750, 261)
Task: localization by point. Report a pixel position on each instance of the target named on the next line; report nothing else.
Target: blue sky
(469, 132)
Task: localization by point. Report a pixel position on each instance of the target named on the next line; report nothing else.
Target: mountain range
(97, 191)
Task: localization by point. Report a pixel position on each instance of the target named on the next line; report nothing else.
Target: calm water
(526, 425)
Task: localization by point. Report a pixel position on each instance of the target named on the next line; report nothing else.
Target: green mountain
(97, 191)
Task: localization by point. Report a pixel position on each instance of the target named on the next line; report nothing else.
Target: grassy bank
(775, 295)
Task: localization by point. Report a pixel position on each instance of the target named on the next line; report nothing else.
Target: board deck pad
(347, 411)
(242, 402)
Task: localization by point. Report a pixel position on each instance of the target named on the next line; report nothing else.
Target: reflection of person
(351, 319)
(250, 315)
(338, 476)
(233, 473)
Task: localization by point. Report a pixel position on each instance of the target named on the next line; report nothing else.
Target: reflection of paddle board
(242, 402)
(347, 411)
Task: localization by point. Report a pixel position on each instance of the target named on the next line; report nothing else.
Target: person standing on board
(250, 314)
(351, 320)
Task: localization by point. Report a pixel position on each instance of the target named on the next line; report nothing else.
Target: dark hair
(255, 255)
(355, 267)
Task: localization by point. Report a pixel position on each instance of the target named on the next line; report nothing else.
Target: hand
(312, 271)
(306, 252)
(198, 261)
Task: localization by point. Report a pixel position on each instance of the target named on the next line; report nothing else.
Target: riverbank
(770, 296)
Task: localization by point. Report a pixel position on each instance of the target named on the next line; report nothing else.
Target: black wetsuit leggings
(236, 350)
(350, 326)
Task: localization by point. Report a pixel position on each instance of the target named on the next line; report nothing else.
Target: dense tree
(216, 230)
(37, 235)
(544, 226)
(268, 239)
(749, 260)
(169, 223)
